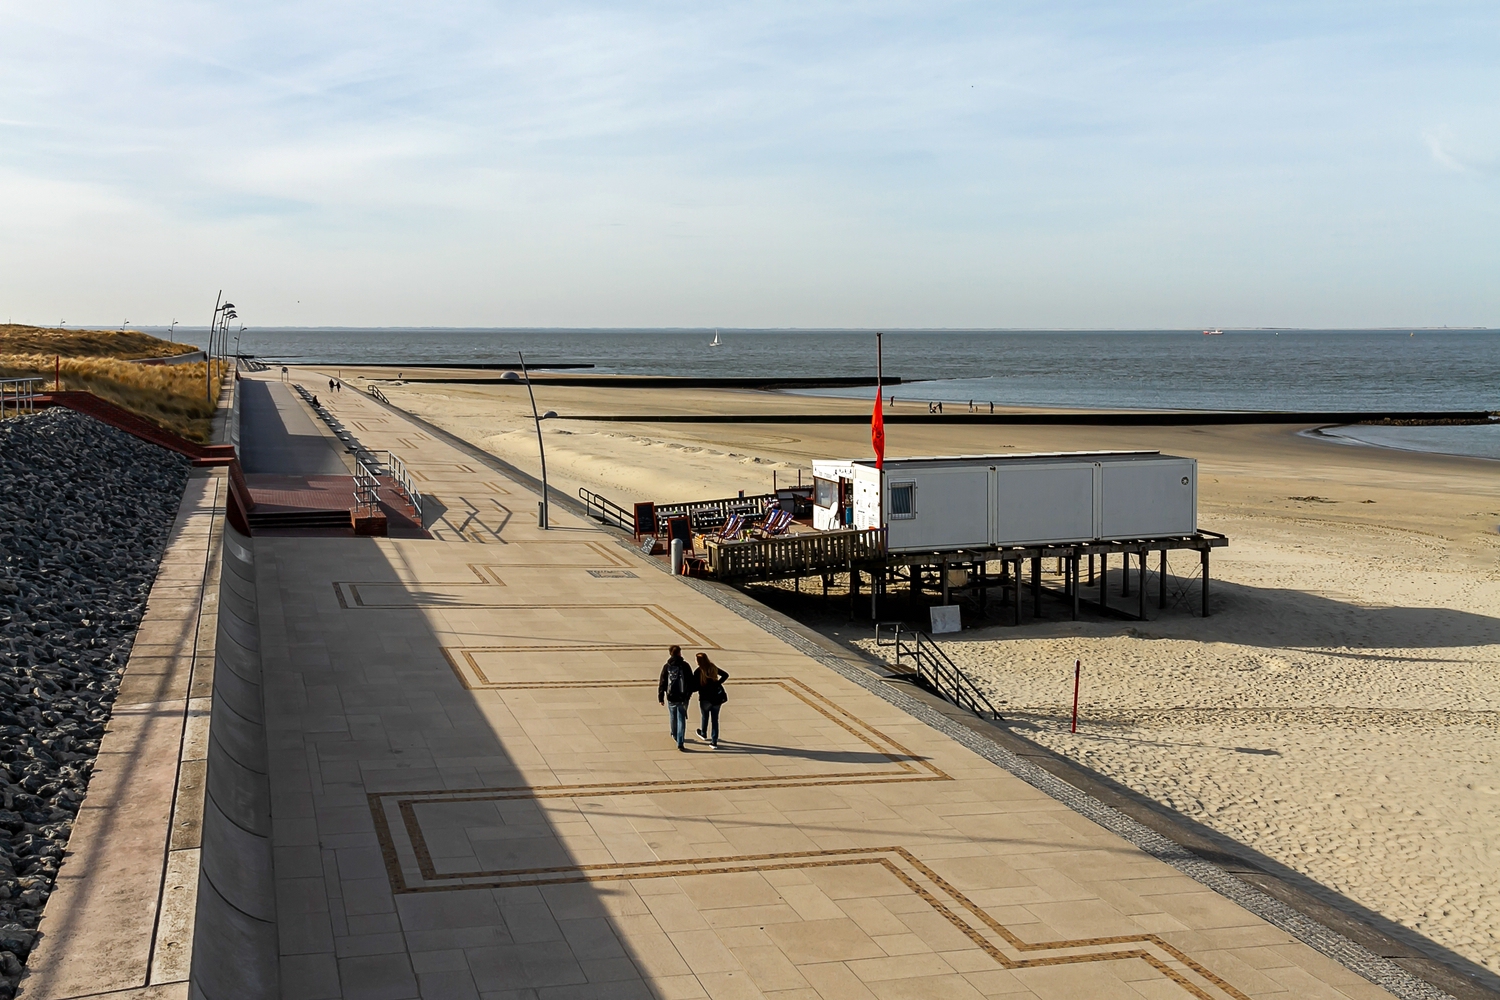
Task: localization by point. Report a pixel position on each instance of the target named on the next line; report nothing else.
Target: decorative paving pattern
(555, 555)
(887, 877)
(554, 627)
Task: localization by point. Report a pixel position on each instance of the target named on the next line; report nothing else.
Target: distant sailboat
(716, 342)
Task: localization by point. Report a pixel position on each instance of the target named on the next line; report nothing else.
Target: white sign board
(945, 619)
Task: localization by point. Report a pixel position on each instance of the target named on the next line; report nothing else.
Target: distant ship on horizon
(1213, 333)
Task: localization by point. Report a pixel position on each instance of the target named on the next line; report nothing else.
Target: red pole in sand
(1077, 671)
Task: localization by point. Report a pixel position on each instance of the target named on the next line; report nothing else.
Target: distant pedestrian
(675, 689)
(709, 680)
(940, 406)
(315, 401)
(330, 385)
(992, 407)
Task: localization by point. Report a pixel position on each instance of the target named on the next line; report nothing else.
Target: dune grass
(123, 344)
(98, 361)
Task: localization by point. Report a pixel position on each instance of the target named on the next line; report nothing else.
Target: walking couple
(675, 689)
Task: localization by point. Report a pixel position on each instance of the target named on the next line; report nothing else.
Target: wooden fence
(795, 555)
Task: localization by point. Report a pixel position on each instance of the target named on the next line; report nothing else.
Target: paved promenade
(475, 795)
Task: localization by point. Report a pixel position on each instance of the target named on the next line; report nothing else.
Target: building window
(903, 500)
(825, 493)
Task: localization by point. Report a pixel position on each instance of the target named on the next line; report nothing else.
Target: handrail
(374, 390)
(936, 669)
(604, 510)
(366, 486)
(22, 391)
(407, 484)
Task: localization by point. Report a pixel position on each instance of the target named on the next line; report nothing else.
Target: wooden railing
(791, 555)
(710, 515)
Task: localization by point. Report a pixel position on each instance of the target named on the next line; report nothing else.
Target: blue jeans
(677, 712)
(710, 715)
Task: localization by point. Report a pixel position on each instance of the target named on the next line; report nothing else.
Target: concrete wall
(235, 941)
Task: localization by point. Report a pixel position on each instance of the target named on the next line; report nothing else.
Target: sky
(767, 164)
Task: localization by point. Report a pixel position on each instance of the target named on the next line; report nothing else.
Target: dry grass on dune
(171, 396)
(100, 361)
(123, 344)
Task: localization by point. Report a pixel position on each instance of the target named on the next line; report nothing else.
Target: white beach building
(972, 502)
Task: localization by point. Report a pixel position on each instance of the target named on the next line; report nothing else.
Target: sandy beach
(1337, 713)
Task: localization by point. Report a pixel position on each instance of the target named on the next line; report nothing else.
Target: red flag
(877, 431)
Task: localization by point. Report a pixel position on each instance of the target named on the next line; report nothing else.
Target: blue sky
(758, 164)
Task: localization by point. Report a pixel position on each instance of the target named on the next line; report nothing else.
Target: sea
(1364, 370)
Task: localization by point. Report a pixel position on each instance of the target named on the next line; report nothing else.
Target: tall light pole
(208, 367)
(222, 315)
(545, 520)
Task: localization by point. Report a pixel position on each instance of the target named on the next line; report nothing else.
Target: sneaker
(682, 748)
(714, 746)
(701, 734)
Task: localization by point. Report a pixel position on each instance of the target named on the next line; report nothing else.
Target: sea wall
(235, 948)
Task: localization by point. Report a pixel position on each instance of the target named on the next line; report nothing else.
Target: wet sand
(1338, 712)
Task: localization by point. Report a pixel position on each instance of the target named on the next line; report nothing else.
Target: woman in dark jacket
(710, 683)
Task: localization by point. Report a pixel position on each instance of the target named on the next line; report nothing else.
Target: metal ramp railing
(606, 511)
(934, 669)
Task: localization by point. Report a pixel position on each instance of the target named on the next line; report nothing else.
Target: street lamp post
(223, 313)
(544, 521)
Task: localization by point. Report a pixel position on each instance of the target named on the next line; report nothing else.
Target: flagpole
(877, 582)
(879, 391)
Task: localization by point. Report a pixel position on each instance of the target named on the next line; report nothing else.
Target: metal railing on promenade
(19, 394)
(374, 390)
(366, 487)
(408, 485)
(606, 511)
(934, 668)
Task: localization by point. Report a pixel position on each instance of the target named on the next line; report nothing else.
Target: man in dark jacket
(675, 689)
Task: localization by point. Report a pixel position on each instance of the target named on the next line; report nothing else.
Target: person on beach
(709, 680)
(675, 689)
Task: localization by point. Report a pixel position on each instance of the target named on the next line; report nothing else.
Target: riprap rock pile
(85, 511)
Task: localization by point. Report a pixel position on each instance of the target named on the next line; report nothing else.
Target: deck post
(943, 569)
(1036, 586)
(1205, 581)
(1103, 580)
(984, 590)
(1142, 555)
(853, 592)
(1015, 590)
(1125, 575)
(1162, 600)
(1091, 569)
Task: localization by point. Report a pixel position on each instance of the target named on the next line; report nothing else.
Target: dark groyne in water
(1087, 419)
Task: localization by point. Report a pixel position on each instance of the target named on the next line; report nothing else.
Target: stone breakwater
(85, 511)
